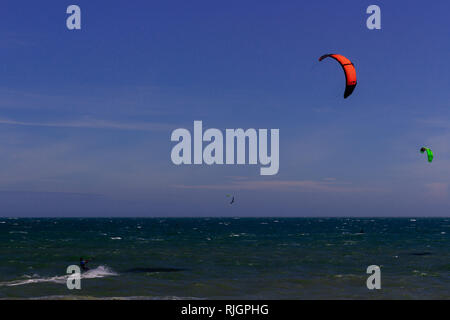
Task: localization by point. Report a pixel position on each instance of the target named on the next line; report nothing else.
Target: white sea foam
(99, 272)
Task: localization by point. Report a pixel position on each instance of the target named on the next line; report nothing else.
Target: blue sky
(86, 116)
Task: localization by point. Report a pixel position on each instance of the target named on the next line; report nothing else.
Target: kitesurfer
(83, 264)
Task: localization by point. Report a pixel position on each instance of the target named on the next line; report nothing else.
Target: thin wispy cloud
(92, 124)
(437, 190)
(13, 40)
(43, 193)
(440, 123)
(326, 185)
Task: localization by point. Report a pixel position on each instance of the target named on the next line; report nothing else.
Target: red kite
(349, 70)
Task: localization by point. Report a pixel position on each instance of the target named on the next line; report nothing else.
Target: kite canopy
(349, 70)
(429, 153)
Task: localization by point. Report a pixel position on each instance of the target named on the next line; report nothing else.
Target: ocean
(225, 258)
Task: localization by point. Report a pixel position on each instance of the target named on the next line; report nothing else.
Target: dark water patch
(144, 270)
(421, 253)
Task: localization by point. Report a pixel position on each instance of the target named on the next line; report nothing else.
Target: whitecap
(99, 272)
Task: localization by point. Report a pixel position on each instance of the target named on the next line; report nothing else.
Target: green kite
(429, 153)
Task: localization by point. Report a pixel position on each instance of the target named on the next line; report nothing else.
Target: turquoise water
(226, 258)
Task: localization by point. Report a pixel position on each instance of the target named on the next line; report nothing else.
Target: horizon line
(222, 217)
